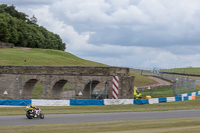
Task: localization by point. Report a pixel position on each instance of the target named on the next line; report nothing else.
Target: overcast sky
(130, 33)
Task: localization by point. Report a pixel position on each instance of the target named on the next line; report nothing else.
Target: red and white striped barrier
(115, 87)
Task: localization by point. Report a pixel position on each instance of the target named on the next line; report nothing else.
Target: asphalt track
(96, 117)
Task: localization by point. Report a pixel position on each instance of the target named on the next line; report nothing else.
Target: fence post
(18, 88)
(90, 89)
(68, 90)
(174, 92)
(44, 90)
(105, 90)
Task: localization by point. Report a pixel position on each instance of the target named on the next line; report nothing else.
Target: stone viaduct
(18, 81)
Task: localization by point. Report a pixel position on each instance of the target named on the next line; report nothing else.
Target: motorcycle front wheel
(41, 116)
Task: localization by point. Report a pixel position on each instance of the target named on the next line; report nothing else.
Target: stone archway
(57, 89)
(27, 89)
(88, 89)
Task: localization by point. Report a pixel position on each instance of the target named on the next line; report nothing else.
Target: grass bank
(180, 125)
(42, 57)
(141, 80)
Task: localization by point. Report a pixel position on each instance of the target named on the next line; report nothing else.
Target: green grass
(158, 92)
(193, 71)
(141, 80)
(178, 125)
(42, 57)
(37, 92)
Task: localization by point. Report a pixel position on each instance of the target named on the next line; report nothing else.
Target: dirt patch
(158, 82)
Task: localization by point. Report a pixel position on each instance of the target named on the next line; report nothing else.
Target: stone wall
(66, 70)
(6, 45)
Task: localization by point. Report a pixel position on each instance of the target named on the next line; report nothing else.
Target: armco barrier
(41, 102)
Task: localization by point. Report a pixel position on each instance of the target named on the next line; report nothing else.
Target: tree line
(17, 28)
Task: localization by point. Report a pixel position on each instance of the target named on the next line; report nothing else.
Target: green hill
(185, 71)
(42, 57)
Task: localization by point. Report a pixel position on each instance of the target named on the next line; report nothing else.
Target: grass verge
(180, 125)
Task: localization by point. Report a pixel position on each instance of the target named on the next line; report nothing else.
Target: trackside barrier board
(171, 99)
(15, 102)
(153, 101)
(86, 102)
(162, 100)
(41, 102)
(178, 98)
(141, 101)
(118, 101)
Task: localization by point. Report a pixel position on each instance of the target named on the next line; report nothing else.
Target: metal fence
(180, 84)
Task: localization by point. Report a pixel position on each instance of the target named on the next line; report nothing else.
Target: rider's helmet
(31, 107)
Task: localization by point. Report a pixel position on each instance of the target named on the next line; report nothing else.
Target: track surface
(96, 117)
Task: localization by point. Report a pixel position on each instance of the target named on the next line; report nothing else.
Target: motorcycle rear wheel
(28, 116)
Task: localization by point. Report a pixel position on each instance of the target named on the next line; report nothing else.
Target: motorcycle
(33, 112)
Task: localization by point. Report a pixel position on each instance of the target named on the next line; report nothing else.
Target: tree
(17, 29)
(13, 12)
(4, 34)
(4, 28)
(33, 20)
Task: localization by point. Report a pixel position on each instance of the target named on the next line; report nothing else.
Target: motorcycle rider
(33, 109)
